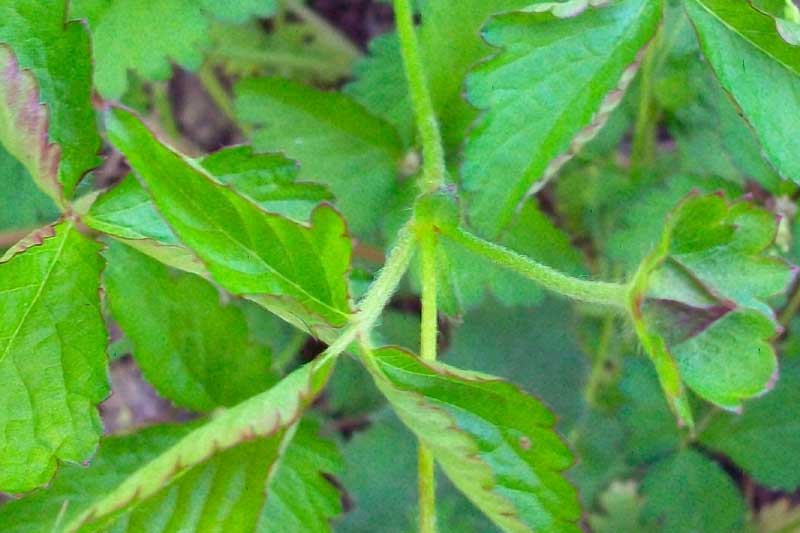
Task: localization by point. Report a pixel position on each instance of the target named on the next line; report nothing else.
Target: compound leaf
(744, 49)
(765, 440)
(52, 355)
(496, 443)
(553, 78)
(193, 349)
(699, 302)
(247, 250)
(46, 115)
(336, 141)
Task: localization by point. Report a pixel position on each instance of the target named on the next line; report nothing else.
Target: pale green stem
(596, 292)
(429, 333)
(433, 169)
(323, 29)
(378, 294)
(602, 356)
(643, 149)
(163, 108)
(221, 98)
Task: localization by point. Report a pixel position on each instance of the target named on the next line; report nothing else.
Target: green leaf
(22, 204)
(247, 250)
(249, 437)
(744, 49)
(689, 493)
(225, 492)
(146, 36)
(52, 355)
(46, 115)
(765, 440)
(650, 431)
(336, 141)
(126, 213)
(545, 94)
(535, 342)
(699, 302)
(494, 442)
(193, 349)
(786, 15)
(450, 45)
(267, 179)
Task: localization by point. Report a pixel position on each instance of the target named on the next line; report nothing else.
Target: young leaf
(258, 429)
(699, 302)
(622, 509)
(52, 355)
(450, 44)
(336, 141)
(146, 36)
(688, 492)
(247, 250)
(46, 115)
(193, 349)
(229, 492)
(494, 442)
(744, 49)
(545, 94)
(765, 440)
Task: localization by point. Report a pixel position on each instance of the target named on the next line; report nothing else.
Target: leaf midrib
(744, 37)
(38, 295)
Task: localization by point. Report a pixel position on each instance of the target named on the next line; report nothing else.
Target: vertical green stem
(163, 108)
(433, 169)
(429, 333)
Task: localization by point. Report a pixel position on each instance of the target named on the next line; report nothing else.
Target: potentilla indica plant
(518, 266)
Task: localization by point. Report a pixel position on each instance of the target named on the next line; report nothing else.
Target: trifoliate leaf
(450, 44)
(494, 442)
(146, 36)
(765, 439)
(52, 355)
(336, 141)
(688, 492)
(193, 349)
(240, 489)
(301, 269)
(743, 47)
(46, 115)
(699, 302)
(234, 451)
(545, 94)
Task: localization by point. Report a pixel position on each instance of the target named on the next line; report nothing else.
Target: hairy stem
(433, 165)
(429, 333)
(378, 295)
(596, 292)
